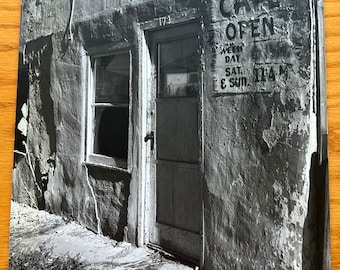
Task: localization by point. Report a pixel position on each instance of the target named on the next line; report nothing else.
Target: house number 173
(164, 20)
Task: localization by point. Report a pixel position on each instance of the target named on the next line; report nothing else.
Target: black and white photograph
(171, 134)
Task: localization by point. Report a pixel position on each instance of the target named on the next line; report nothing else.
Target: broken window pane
(111, 137)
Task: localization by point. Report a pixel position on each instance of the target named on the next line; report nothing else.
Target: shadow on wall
(315, 255)
(39, 53)
(36, 141)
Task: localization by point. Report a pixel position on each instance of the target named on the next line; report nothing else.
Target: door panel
(178, 190)
(177, 136)
(178, 241)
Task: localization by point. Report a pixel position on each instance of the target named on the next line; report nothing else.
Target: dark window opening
(112, 134)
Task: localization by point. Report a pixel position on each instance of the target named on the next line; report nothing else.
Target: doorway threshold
(175, 256)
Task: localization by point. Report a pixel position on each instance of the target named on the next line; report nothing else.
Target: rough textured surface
(262, 201)
(37, 233)
(51, 176)
(257, 167)
(258, 140)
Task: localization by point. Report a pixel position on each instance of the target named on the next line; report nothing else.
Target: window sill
(107, 163)
(107, 167)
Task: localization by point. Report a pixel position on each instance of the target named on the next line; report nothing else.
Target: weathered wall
(258, 136)
(52, 176)
(42, 17)
(55, 143)
(259, 133)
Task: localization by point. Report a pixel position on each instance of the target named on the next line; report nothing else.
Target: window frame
(95, 159)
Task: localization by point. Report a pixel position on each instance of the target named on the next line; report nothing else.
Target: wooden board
(9, 39)
(9, 32)
(332, 21)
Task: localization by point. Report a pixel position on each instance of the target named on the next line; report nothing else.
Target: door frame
(147, 84)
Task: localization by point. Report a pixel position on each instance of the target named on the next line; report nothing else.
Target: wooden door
(177, 221)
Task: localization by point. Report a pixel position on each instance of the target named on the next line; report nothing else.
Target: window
(108, 111)
(178, 68)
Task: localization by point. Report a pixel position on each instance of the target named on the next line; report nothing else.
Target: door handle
(150, 136)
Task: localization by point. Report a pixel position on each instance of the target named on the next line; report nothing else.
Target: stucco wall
(258, 139)
(260, 136)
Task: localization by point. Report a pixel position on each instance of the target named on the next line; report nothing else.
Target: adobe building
(185, 125)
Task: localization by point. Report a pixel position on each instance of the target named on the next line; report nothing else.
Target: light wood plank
(332, 21)
(9, 33)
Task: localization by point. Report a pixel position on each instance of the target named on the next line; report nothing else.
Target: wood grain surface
(9, 36)
(332, 26)
(9, 40)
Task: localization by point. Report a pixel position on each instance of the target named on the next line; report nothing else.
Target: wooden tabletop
(9, 39)
(332, 26)
(9, 36)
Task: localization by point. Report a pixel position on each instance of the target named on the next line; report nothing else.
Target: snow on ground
(34, 231)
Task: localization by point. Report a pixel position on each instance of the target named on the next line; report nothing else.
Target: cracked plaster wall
(55, 144)
(259, 138)
(257, 146)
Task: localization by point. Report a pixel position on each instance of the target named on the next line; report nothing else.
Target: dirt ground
(43, 241)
